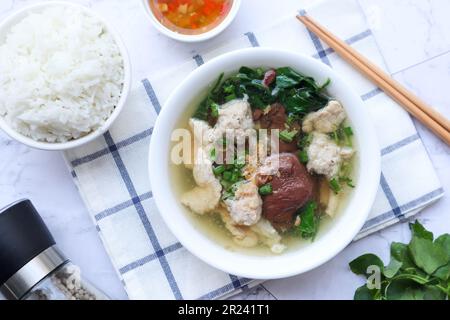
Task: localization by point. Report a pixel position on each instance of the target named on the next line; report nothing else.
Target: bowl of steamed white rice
(64, 76)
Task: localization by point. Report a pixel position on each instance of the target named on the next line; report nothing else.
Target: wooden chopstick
(419, 109)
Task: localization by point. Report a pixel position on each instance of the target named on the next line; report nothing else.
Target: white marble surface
(414, 37)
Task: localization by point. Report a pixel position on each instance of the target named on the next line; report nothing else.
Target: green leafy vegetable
(299, 94)
(213, 154)
(219, 170)
(266, 189)
(392, 268)
(359, 265)
(427, 255)
(204, 108)
(214, 110)
(227, 175)
(364, 293)
(419, 270)
(288, 136)
(305, 141)
(419, 231)
(309, 221)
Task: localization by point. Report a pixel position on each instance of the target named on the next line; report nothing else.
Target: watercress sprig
(419, 270)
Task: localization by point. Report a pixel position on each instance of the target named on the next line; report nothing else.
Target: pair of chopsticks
(432, 119)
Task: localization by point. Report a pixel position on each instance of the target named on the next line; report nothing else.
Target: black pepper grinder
(31, 265)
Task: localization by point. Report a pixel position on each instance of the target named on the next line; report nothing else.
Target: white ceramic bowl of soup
(216, 30)
(343, 228)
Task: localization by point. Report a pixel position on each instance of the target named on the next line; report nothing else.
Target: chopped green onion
(303, 156)
(235, 177)
(288, 136)
(214, 110)
(305, 141)
(212, 154)
(227, 175)
(326, 84)
(335, 186)
(266, 189)
(335, 136)
(219, 170)
(230, 97)
(347, 181)
(291, 119)
(348, 131)
(240, 162)
(225, 184)
(260, 72)
(229, 89)
(342, 136)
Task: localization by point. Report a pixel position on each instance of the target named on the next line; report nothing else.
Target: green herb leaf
(251, 73)
(443, 242)
(309, 221)
(364, 293)
(400, 252)
(404, 289)
(219, 170)
(214, 110)
(443, 273)
(266, 189)
(305, 141)
(418, 271)
(227, 176)
(419, 231)
(361, 264)
(426, 255)
(212, 154)
(392, 268)
(230, 97)
(284, 82)
(229, 89)
(288, 136)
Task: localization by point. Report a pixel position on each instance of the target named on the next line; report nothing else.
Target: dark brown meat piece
(257, 114)
(288, 147)
(276, 119)
(292, 188)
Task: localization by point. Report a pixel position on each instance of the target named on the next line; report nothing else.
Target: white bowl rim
(60, 146)
(193, 37)
(267, 267)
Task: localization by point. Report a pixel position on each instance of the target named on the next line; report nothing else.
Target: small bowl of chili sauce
(191, 20)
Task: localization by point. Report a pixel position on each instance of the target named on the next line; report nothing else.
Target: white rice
(61, 75)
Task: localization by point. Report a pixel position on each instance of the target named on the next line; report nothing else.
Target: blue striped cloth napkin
(111, 173)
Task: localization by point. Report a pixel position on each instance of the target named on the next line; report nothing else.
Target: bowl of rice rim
(65, 75)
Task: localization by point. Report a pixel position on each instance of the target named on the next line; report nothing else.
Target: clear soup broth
(212, 225)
